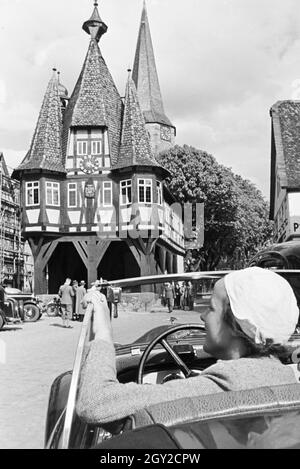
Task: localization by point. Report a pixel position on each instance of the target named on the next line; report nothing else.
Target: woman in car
(252, 313)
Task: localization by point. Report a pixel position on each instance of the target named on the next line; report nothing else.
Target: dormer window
(91, 144)
(96, 147)
(82, 147)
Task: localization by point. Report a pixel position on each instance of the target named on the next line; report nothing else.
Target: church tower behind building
(162, 132)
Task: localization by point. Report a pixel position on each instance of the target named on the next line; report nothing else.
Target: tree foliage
(236, 214)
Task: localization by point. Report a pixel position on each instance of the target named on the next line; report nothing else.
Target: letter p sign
(296, 226)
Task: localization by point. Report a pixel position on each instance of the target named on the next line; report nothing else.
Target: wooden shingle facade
(93, 195)
(285, 170)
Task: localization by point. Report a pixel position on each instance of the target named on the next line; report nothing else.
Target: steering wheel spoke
(161, 339)
(183, 367)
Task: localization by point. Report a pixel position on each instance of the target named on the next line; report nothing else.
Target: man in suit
(66, 294)
(169, 295)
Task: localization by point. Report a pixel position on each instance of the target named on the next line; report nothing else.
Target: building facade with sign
(285, 170)
(94, 199)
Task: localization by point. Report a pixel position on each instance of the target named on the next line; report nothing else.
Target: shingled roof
(285, 146)
(95, 101)
(45, 151)
(135, 143)
(145, 76)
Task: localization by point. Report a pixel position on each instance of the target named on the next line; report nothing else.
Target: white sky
(222, 64)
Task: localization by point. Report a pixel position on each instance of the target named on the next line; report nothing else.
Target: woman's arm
(102, 327)
(101, 398)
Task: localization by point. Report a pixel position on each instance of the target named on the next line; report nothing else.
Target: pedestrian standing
(182, 295)
(169, 295)
(66, 294)
(80, 293)
(177, 295)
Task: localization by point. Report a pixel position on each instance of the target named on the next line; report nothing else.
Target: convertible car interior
(260, 418)
(222, 420)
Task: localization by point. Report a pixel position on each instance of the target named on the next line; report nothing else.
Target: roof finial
(95, 27)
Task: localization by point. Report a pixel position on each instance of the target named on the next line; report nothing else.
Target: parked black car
(284, 257)
(279, 256)
(20, 306)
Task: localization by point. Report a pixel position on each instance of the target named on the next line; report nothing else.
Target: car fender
(57, 402)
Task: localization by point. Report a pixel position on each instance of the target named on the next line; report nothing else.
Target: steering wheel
(161, 339)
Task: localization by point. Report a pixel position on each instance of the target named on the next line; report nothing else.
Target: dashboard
(161, 377)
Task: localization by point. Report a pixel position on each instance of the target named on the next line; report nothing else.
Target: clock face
(89, 164)
(165, 133)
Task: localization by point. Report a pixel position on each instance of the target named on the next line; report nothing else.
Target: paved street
(38, 352)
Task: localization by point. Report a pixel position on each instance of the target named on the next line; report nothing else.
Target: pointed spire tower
(162, 131)
(95, 102)
(135, 148)
(45, 153)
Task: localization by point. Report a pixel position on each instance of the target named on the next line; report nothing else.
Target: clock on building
(89, 164)
(165, 133)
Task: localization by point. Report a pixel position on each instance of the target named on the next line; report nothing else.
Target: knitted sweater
(102, 399)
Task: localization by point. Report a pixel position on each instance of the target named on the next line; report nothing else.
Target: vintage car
(259, 418)
(284, 256)
(279, 256)
(21, 306)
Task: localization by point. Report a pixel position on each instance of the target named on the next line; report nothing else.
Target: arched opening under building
(65, 262)
(118, 262)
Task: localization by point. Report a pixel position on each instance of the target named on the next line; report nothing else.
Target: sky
(222, 64)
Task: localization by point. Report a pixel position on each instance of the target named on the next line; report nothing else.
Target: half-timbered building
(93, 195)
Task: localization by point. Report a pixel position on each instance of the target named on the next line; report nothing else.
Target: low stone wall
(136, 302)
(140, 302)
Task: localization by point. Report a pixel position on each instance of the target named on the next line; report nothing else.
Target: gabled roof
(95, 101)
(135, 142)
(145, 76)
(285, 154)
(45, 151)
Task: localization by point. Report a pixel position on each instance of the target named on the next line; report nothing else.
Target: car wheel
(1, 322)
(31, 312)
(51, 310)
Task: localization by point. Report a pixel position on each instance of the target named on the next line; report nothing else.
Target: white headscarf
(263, 303)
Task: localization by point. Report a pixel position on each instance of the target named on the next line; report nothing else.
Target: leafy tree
(236, 214)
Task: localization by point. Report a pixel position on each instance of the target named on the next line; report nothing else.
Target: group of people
(179, 296)
(71, 296)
